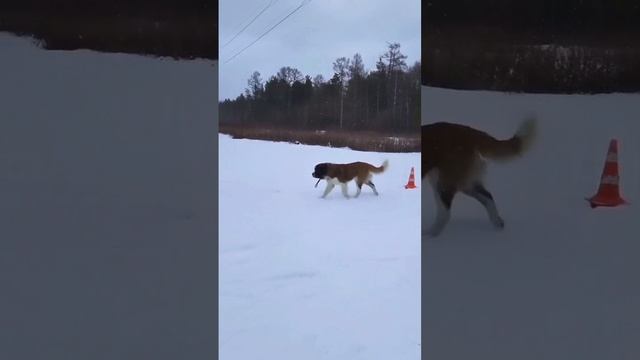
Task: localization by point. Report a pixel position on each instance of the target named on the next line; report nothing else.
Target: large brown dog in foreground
(454, 160)
(341, 174)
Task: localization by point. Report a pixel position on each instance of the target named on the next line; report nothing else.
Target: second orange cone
(609, 189)
(411, 184)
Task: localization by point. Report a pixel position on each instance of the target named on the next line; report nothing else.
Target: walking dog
(454, 160)
(341, 174)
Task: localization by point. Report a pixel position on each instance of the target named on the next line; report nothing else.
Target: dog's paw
(433, 231)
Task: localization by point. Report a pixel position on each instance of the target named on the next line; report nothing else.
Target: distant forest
(175, 28)
(556, 46)
(386, 98)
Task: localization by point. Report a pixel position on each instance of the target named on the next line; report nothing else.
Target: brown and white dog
(341, 174)
(454, 160)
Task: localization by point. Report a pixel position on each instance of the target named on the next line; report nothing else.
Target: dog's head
(320, 171)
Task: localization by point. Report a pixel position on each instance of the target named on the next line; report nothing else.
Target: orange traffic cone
(609, 190)
(411, 184)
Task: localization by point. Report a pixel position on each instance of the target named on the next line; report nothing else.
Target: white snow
(107, 205)
(561, 281)
(309, 278)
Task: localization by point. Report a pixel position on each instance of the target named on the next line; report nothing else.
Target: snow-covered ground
(561, 280)
(107, 205)
(309, 278)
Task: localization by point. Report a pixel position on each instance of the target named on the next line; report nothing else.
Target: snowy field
(561, 280)
(309, 278)
(107, 205)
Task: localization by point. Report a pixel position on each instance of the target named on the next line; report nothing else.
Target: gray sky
(312, 38)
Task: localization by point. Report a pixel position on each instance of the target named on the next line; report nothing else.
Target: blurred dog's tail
(517, 145)
(381, 168)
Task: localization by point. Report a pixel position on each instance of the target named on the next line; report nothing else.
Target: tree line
(385, 98)
(549, 46)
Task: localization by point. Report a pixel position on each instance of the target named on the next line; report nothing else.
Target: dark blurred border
(180, 29)
(103, 297)
(537, 46)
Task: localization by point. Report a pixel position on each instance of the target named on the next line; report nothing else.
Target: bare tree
(357, 74)
(382, 71)
(356, 68)
(290, 75)
(395, 65)
(341, 69)
(318, 80)
(255, 85)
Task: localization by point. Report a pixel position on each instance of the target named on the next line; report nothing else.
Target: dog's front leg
(345, 191)
(443, 197)
(328, 189)
(443, 212)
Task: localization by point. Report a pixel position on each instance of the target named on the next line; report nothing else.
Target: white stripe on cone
(609, 180)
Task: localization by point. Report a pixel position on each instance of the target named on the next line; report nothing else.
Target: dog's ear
(323, 169)
(320, 170)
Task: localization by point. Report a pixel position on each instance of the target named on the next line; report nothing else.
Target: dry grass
(356, 140)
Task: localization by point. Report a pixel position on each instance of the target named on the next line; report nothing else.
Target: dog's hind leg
(345, 189)
(373, 187)
(443, 198)
(480, 193)
(328, 189)
(359, 184)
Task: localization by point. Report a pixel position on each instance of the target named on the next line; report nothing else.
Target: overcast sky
(312, 38)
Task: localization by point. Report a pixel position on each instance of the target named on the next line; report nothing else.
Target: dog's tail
(517, 145)
(382, 168)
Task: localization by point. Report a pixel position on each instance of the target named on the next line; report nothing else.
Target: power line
(251, 22)
(303, 3)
